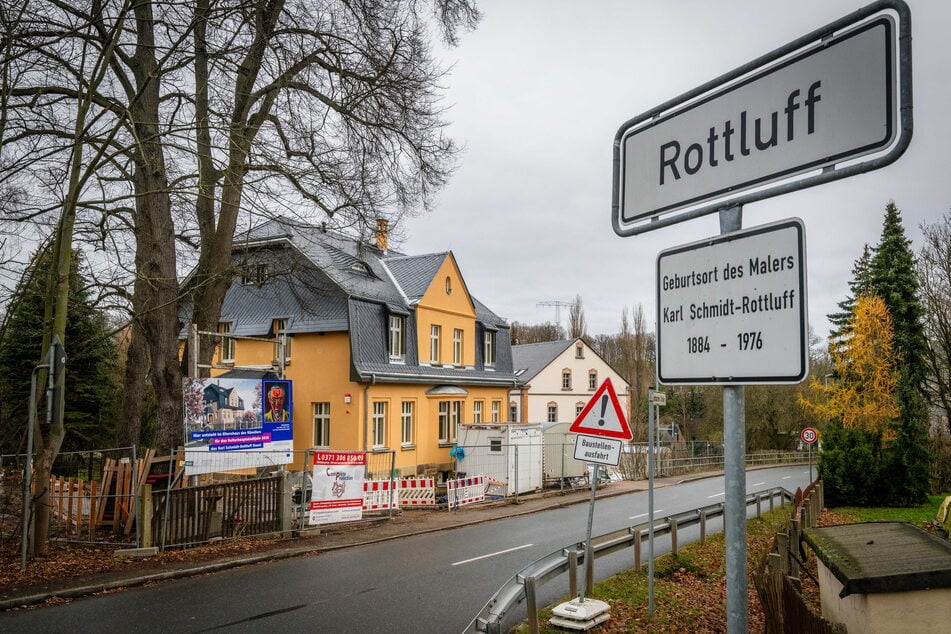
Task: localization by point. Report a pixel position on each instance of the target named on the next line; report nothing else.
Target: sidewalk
(409, 522)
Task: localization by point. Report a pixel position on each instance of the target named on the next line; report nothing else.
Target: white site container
(558, 459)
(508, 454)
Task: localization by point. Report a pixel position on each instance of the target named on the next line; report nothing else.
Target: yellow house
(386, 351)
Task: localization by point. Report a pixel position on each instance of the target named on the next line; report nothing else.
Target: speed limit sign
(809, 435)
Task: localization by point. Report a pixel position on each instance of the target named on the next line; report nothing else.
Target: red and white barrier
(463, 491)
(380, 495)
(417, 492)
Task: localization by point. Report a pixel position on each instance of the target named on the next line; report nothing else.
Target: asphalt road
(436, 582)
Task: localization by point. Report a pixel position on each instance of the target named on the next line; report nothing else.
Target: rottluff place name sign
(794, 118)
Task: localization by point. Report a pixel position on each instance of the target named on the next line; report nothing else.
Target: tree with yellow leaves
(863, 396)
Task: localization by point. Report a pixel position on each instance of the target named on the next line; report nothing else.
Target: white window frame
(397, 338)
(513, 411)
(226, 343)
(579, 407)
(455, 418)
(457, 346)
(280, 332)
(435, 334)
(450, 415)
(592, 380)
(477, 411)
(496, 411)
(566, 379)
(552, 412)
(321, 417)
(379, 424)
(489, 349)
(406, 422)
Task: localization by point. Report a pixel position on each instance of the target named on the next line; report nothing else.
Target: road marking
(759, 484)
(501, 552)
(656, 511)
(787, 477)
(716, 495)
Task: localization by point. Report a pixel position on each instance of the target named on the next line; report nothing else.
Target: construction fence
(104, 497)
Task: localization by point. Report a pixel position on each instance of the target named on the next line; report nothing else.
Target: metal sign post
(809, 436)
(602, 430)
(650, 502)
(734, 476)
(588, 562)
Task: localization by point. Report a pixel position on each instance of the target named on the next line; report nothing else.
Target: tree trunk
(155, 294)
(129, 425)
(213, 274)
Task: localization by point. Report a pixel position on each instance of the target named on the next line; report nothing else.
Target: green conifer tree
(906, 461)
(91, 375)
(859, 285)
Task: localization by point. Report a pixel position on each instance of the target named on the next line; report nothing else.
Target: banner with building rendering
(235, 424)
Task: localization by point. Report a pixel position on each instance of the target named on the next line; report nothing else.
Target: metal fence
(255, 502)
(92, 496)
(517, 468)
(95, 495)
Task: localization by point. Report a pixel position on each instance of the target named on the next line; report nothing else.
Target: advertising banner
(235, 424)
(338, 487)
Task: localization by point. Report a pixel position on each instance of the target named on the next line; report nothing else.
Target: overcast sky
(537, 93)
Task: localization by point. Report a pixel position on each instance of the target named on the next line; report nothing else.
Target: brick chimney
(382, 234)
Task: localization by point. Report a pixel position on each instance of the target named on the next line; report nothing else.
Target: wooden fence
(777, 578)
(225, 510)
(82, 508)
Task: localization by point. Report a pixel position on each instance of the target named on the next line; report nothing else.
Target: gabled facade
(386, 351)
(556, 379)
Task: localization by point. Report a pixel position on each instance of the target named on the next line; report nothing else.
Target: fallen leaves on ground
(64, 563)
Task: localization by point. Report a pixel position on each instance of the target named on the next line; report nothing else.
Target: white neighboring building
(556, 379)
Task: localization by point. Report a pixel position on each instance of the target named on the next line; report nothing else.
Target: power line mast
(558, 306)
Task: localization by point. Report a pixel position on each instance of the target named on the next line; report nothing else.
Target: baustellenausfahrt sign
(785, 121)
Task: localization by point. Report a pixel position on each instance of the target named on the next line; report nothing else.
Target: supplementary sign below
(606, 451)
(732, 309)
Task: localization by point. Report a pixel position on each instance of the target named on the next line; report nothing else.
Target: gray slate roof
(325, 281)
(532, 358)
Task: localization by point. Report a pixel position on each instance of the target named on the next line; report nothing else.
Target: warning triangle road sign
(603, 416)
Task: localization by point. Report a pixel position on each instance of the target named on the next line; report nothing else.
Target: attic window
(360, 267)
(448, 285)
(254, 274)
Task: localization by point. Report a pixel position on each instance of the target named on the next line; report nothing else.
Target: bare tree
(284, 107)
(337, 110)
(635, 361)
(934, 279)
(528, 333)
(577, 328)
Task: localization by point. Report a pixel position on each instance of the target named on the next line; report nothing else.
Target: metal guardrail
(492, 615)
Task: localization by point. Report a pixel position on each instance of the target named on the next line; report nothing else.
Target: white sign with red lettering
(338, 487)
